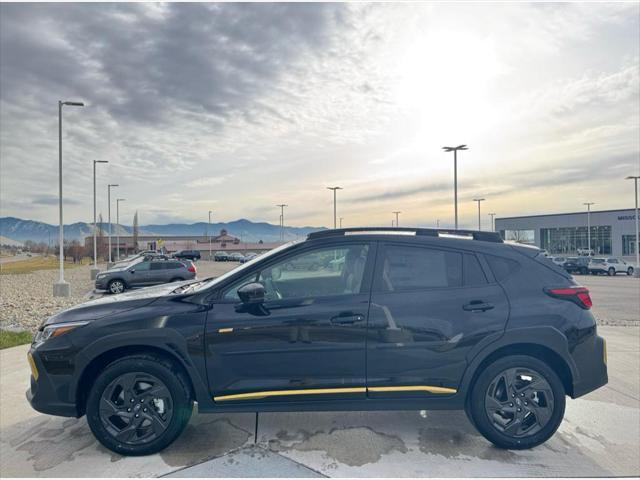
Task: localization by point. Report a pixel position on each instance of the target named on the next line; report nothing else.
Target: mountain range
(21, 230)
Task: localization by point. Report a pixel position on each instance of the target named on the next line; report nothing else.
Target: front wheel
(630, 271)
(116, 286)
(611, 272)
(517, 402)
(139, 405)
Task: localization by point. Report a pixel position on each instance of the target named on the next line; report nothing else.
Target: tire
(611, 272)
(162, 419)
(116, 286)
(531, 425)
(630, 271)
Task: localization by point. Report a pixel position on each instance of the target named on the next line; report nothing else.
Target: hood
(113, 304)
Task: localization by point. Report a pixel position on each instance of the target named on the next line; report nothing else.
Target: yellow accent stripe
(414, 388)
(316, 391)
(225, 330)
(32, 364)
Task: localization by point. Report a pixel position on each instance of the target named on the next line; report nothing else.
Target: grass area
(31, 264)
(10, 339)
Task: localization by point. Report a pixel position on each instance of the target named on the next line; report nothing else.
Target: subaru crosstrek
(348, 319)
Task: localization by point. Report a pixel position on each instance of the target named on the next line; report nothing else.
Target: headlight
(102, 275)
(56, 330)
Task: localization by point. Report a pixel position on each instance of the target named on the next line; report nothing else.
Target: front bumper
(49, 393)
(590, 359)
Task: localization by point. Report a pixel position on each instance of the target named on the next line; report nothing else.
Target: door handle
(477, 306)
(346, 319)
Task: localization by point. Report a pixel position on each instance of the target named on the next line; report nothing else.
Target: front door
(139, 274)
(429, 308)
(306, 341)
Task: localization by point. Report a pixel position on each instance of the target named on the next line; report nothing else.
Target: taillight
(578, 295)
(191, 267)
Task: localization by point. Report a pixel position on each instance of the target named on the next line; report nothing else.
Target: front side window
(141, 267)
(413, 268)
(316, 273)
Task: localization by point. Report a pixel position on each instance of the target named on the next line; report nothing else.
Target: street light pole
(636, 270)
(109, 214)
(282, 205)
(61, 288)
(478, 200)
(588, 204)
(334, 204)
(493, 225)
(118, 200)
(455, 175)
(95, 269)
(396, 214)
(209, 233)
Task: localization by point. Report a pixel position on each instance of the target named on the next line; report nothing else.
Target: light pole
(493, 225)
(455, 175)
(209, 233)
(61, 288)
(588, 204)
(334, 204)
(396, 214)
(636, 270)
(478, 200)
(118, 200)
(282, 205)
(95, 269)
(109, 213)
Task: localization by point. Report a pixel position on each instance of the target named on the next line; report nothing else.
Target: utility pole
(478, 200)
(109, 214)
(282, 205)
(396, 214)
(209, 233)
(95, 269)
(334, 204)
(61, 288)
(588, 204)
(493, 225)
(636, 269)
(455, 176)
(118, 200)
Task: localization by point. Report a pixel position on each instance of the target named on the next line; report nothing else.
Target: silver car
(144, 273)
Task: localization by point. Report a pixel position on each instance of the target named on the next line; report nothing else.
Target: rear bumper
(590, 358)
(47, 392)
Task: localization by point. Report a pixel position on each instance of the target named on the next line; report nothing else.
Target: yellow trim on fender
(413, 388)
(275, 393)
(316, 391)
(225, 330)
(32, 364)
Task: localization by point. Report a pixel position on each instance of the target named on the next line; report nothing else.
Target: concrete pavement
(599, 437)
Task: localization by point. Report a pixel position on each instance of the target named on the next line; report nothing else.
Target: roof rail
(426, 232)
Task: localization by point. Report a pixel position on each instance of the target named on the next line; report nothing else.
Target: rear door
(159, 272)
(429, 308)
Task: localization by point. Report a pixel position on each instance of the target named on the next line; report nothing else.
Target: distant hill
(22, 230)
(9, 242)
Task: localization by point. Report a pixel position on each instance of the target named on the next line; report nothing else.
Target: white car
(610, 266)
(558, 260)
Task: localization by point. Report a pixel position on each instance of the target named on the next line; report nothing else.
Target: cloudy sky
(237, 107)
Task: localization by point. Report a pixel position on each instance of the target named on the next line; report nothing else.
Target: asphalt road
(599, 437)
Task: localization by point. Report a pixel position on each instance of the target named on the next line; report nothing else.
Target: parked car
(558, 260)
(221, 257)
(610, 266)
(577, 265)
(236, 257)
(416, 320)
(248, 256)
(144, 273)
(192, 255)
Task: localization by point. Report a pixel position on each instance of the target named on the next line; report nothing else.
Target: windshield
(244, 266)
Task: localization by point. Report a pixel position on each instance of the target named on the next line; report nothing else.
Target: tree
(135, 232)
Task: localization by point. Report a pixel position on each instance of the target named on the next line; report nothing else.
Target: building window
(628, 245)
(567, 240)
(520, 236)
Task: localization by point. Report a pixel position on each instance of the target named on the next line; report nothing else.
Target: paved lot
(599, 437)
(616, 300)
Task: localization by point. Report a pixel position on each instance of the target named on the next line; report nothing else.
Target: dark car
(192, 255)
(143, 273)
(221, 257)
(577, 265)
(405, 319)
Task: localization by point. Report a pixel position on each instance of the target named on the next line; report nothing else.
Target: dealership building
(612, 232)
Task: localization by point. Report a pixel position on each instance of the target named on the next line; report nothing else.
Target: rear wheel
(116, 286)
(611, 272)
(139, 405)
(517, 402)
(630, 271)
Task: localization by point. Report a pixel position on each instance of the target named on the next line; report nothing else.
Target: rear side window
(414, 268)
(173, 265)
(502, 267)
(473, 274)
(157, 266)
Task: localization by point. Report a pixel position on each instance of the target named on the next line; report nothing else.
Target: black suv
(188, 255)
(577, 265)
(403, 319)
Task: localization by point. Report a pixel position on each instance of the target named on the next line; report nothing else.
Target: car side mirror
(251, 293)
(132, 271)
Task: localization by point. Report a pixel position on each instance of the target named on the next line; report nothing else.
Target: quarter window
(473, 274)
